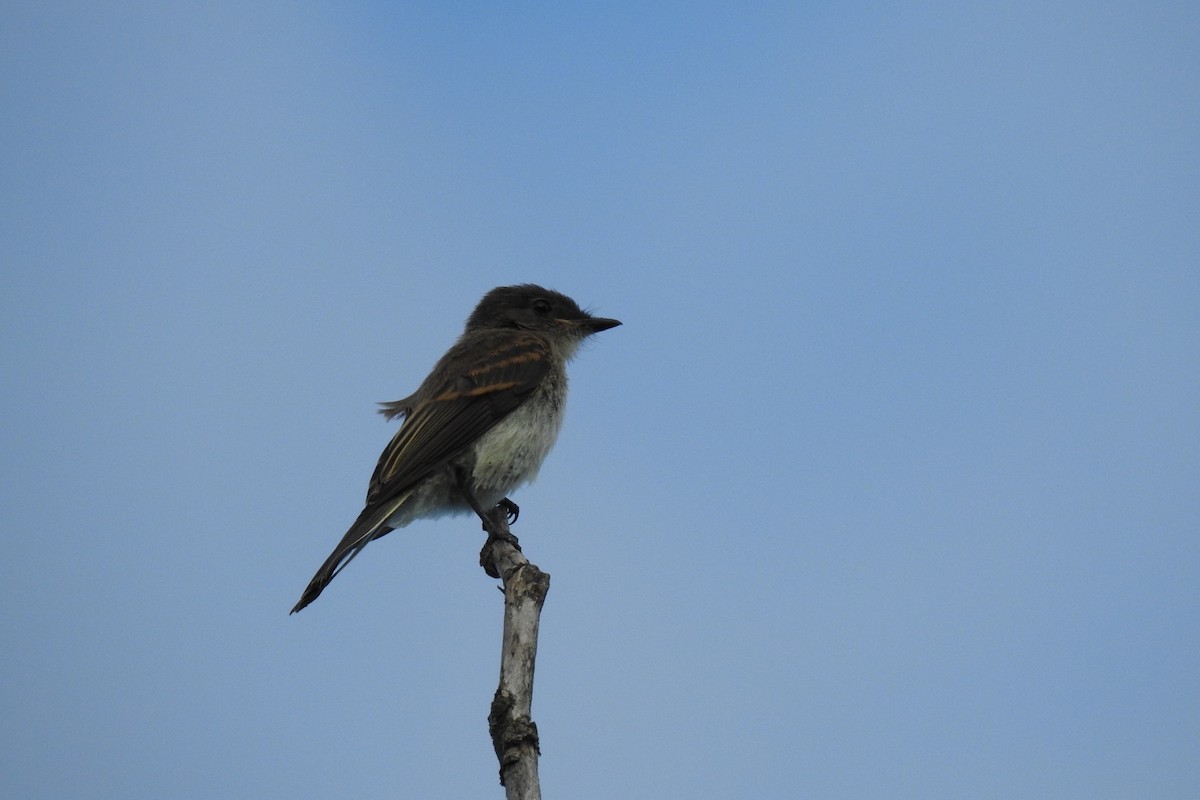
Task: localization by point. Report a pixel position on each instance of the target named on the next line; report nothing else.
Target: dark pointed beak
(597, 324)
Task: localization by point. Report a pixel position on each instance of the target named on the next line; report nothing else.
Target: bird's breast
(512, 452)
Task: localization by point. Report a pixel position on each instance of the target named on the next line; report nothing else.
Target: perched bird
(480, 425)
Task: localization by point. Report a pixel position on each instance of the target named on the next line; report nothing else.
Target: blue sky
(886, 488)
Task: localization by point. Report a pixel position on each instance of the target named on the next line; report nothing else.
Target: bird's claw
(511, 509)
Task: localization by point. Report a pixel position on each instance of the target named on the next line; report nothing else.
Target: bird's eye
(541, 305)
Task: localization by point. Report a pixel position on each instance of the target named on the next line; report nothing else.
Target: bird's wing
(456, 413)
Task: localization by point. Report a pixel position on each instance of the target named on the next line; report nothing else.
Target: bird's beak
(597, 324)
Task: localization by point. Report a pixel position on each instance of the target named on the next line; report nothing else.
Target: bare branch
(514, 734)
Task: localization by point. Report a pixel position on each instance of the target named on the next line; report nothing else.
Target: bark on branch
(514, 734)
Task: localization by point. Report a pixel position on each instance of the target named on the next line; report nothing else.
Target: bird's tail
(368, 527)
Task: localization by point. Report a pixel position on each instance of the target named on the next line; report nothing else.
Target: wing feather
(461, 409)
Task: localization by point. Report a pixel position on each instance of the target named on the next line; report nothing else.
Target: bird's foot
(496, 525)
(511, 510)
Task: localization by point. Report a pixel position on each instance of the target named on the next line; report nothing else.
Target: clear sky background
(889, 486)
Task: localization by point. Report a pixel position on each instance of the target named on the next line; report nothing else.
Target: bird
(479, 426)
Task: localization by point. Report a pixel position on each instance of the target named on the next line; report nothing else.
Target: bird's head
(534, 308)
